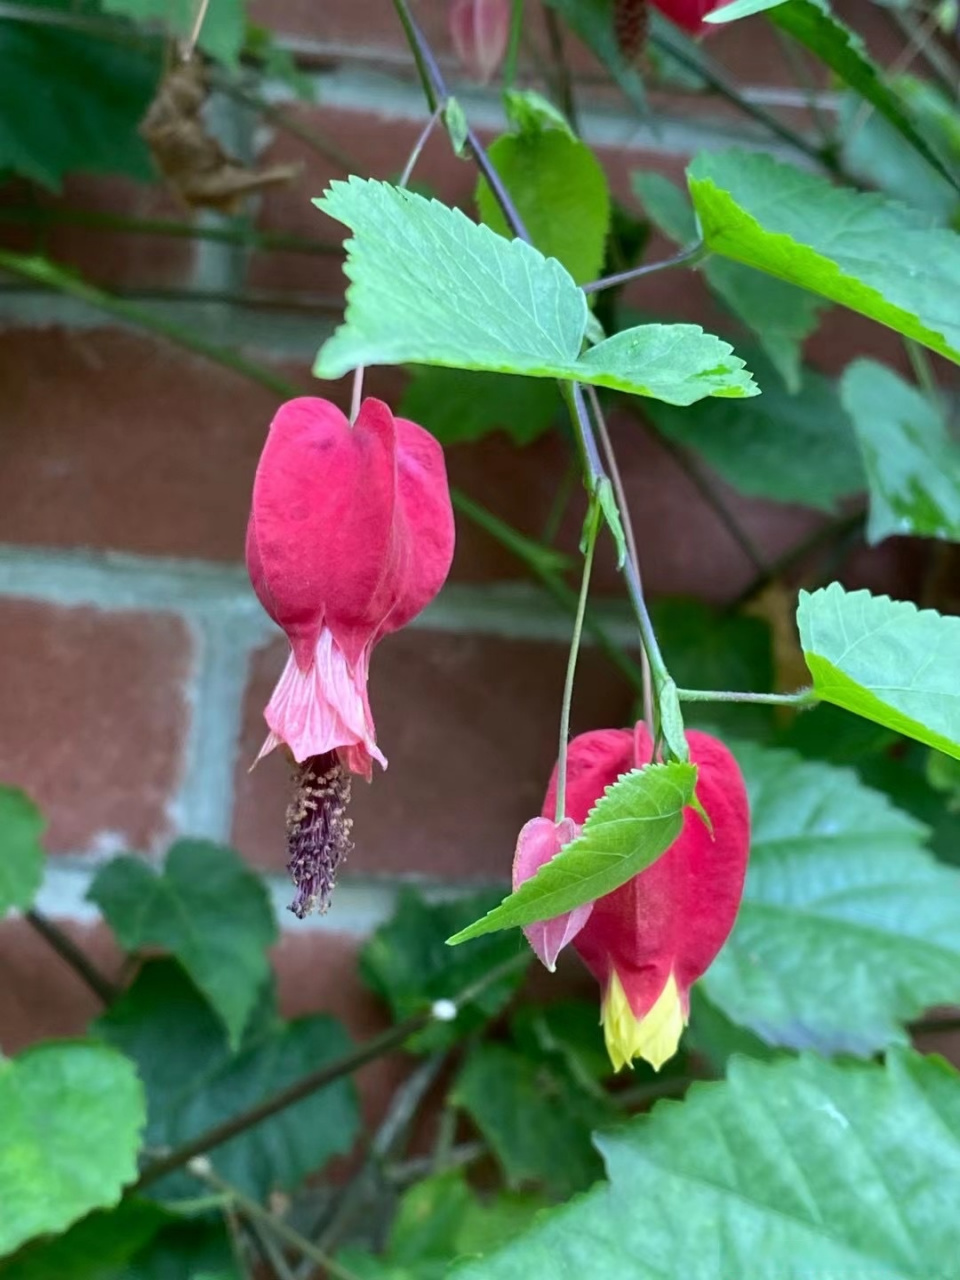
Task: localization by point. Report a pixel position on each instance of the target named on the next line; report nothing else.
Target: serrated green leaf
(431, 287)
(73, 1112)
(222, 31)
(867, 253)
(799, 1169)
(560, 191)
(193, 1081)
(885, 660)
(95, 1248)
(814, 25)
(568, 1029)
(21, 853)
(457, 405)
(788, 448)
(207, 908)
(407, 962)
(912, 464)
(537, 1120)
(592, 21)
(848, 927)
(634, 821)
(781, 315)
(94, 95)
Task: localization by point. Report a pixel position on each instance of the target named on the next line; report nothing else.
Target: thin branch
(826, 535)
(218, 1134)
(376, 1047)
(722, 86)
(255, 1212)
(690, 256)
(71, 954)
(691, 470)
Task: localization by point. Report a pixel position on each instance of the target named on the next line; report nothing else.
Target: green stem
(923, 372)
(255, 1212)
(590, 531)
(71, 954)
(513, 44)
(418, 146)
(686, 257)
(430, 92)
(40, 271)
(802, 698)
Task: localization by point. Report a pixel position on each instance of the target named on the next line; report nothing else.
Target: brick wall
(136, 661)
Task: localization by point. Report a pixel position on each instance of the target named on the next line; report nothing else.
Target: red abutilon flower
(631, 20)
(480, 31)
(350, 536)
(647, 942)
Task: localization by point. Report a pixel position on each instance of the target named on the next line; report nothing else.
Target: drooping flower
(647, 942)
(480, 31)
(350, 537)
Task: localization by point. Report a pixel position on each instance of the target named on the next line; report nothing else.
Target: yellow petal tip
(654, 1038)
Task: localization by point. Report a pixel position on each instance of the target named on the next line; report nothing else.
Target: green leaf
(885, 660)
(787, 448)
(429, 1218)
(458, 406)
(632, 823)
(455, 122)
(432, 287)
(611, 514)
(73, 1113)
(193, 1081)
(185, 1250)
(799, 1169)
(870, 254)
(912, 464)
(714, 649)
(95, 1248)
(740, 9)
(592, 21)
(560, 191)
(408, 963)
(876, 153)
(781, 315)
(530, 112)
(848, 927)
(222, 33)
(812, 23)
(536, 1120)
(568, 1029)
(21, 853)
(94, 95)
(208, 909)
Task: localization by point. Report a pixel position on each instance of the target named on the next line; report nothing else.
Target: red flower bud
(647, 942)
(480, 30)
(350, 536)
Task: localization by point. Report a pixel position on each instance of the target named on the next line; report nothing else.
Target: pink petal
(539, 840)
(480, 30)
(324, 708)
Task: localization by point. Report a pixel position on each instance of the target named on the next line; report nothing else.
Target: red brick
(113, 440)
(95, 714)
(110, 258)
(469, 725)
(40, 995)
